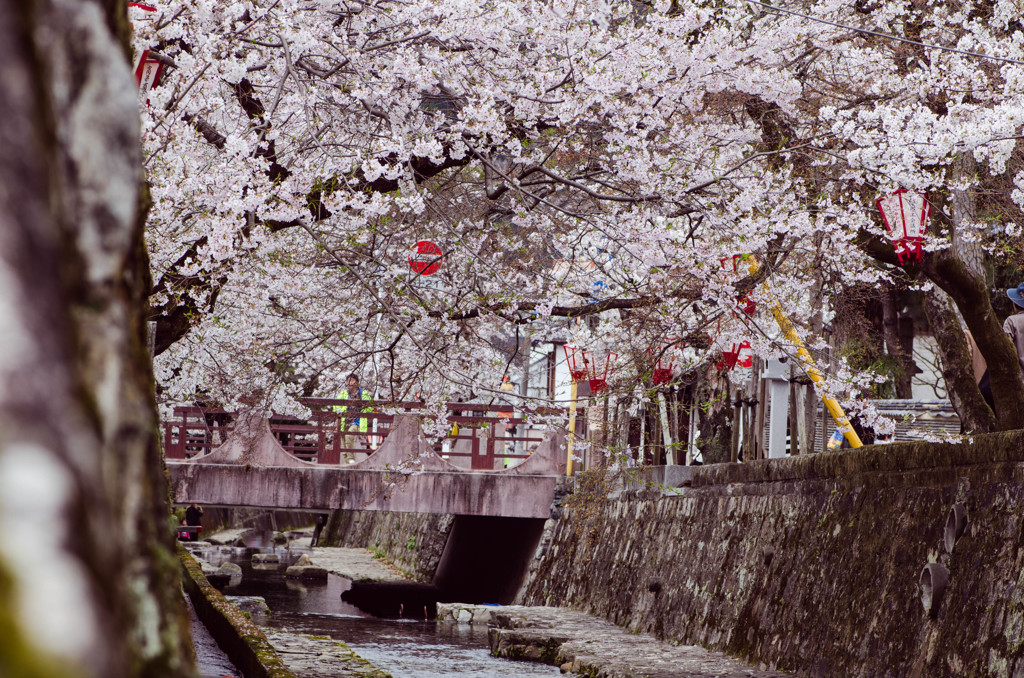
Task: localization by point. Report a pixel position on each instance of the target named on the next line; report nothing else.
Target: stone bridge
(404, 474)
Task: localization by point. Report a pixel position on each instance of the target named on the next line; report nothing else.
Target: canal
(409, 647)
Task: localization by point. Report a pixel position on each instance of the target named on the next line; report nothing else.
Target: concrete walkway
(319, 657)
(580, 643)
(226, 536)
(354, 564)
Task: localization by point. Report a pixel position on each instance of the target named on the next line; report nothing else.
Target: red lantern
(600, 382)
(905, 215)
(578, 370)
(746, 305)
(739, 354)
(734, 259)
(662, 375)
(147, 72)
(583, 366)
(663, 371)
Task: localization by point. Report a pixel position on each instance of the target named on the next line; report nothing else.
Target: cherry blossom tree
(584, 167)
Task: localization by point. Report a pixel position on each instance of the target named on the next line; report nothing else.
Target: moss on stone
(549, 653)
(243, 641)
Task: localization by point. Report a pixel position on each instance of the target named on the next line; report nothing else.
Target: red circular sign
(425, 258)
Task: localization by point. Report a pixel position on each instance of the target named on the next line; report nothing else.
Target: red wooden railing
(485, 437)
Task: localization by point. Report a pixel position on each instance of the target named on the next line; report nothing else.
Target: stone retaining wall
(413, 542)
(812, 564)
(242, 641)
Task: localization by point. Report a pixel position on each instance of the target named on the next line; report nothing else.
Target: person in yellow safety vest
(360, 424)
(510, 429)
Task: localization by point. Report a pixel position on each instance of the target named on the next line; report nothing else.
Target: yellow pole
(833, 406)
(572, 429)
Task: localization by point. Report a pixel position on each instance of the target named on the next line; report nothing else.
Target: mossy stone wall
(811, 564)
(242, 641)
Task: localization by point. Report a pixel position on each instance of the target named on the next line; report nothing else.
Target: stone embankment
(320, 657)
(903, 560)
(236, 634)
(582, 644)
(262, 652)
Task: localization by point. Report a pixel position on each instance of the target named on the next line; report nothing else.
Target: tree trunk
(959, 271)
(762, 399)
(895, 345)
(795, 416)
(714, 417)
(954, 357)
(905, 333)
(810, 399)
(964, 209)
(737, 423)
(88, 574)
(971, 296)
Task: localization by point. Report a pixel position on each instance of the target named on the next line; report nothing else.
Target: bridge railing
(481, 436)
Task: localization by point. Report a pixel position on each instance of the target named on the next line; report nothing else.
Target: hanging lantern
(746, 306)
(732, 262)
(664, 370)
(738, 355)
(599, 380)
(745, 355)
(577, 360)
(583, 365)
(147, 69)
(147, 72)
(905, 215)
(662, 374)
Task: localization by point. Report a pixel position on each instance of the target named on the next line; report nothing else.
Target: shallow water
(405, 648)
(210, 659)
(410, 648)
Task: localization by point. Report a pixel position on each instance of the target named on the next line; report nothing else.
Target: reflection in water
(405, 648)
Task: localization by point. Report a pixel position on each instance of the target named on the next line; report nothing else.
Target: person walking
(1014, 324)
(510, 428)
(194, 515)
(355, 426)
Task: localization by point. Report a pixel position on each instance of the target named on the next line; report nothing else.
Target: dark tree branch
(957, 371)
(208, 131)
